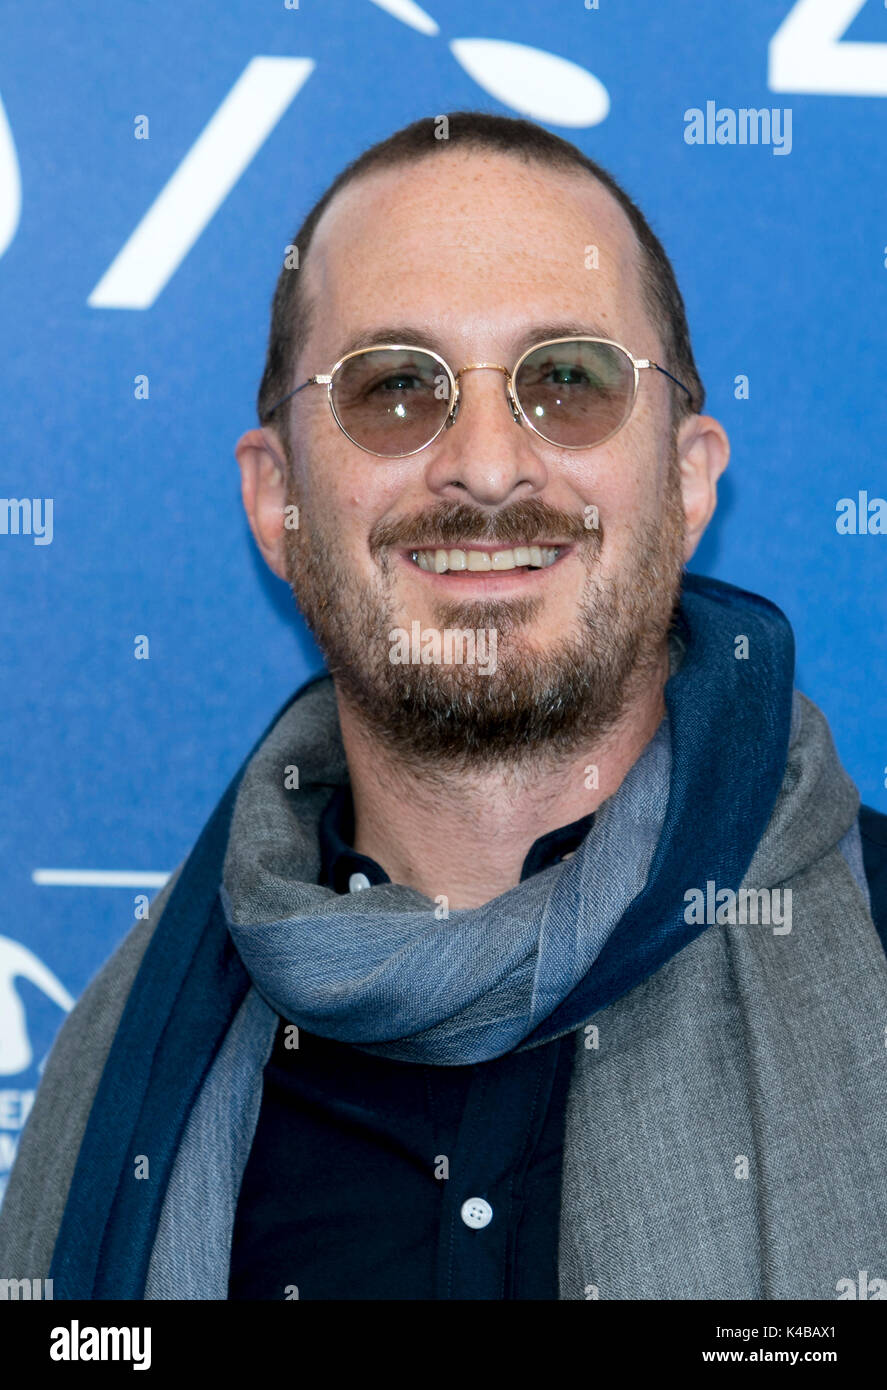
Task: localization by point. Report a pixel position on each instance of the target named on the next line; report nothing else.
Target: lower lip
(487, 581)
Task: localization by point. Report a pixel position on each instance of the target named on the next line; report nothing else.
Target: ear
(703, 454)
(263, 472)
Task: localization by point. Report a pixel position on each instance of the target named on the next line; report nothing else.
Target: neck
(465, 836)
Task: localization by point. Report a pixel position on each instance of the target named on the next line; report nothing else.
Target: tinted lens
(576, 393)
(391, 400)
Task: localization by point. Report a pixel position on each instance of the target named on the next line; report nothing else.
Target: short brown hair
(291, 313)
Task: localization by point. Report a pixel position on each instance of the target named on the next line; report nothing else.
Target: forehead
(473, 247)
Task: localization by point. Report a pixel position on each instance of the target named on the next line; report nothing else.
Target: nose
(485, 454)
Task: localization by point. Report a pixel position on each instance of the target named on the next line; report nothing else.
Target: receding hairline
(305, 302)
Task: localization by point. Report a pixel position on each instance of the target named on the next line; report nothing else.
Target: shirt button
(356, 882)
(476, 1213)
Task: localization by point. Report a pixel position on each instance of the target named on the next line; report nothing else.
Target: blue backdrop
(155, 161)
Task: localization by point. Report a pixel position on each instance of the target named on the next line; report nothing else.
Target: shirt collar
(343, 869)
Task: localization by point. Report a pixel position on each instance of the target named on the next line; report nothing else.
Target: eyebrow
(415, 336)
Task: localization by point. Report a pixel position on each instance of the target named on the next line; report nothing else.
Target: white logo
(806, 54)
(10, 184)
(535, 83)
(16, 1053)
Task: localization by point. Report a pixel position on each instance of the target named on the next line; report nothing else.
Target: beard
(536, 704)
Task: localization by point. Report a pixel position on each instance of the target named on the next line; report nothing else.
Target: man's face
(473, 252)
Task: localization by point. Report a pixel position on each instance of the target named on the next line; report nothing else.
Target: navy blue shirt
(378, 1179)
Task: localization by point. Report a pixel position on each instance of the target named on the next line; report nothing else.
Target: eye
(398, 381)
(552, 373)
(568, 374)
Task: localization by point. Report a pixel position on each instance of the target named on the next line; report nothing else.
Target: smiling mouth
(485, 561)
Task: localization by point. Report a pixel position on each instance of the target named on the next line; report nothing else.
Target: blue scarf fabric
(723, 714)
(383, 969)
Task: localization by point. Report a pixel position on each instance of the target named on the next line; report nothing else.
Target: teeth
(440, 561)
(479, 560)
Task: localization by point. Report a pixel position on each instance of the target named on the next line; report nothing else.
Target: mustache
(520, 523)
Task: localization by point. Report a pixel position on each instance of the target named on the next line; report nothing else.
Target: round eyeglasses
(393, 400)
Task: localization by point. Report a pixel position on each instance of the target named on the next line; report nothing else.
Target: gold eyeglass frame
(519, 415)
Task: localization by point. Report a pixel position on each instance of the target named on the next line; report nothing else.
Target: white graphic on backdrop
(16, 961)
(806, 54)
(411, 14)
(99, 878)
(202, 182)
(537, 84)
(531, 81)
(10, 184)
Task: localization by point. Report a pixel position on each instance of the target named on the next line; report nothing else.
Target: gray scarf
(725, 1121)
(383, 969)
(726, 1137)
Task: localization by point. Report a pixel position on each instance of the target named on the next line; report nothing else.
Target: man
(532, 952)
